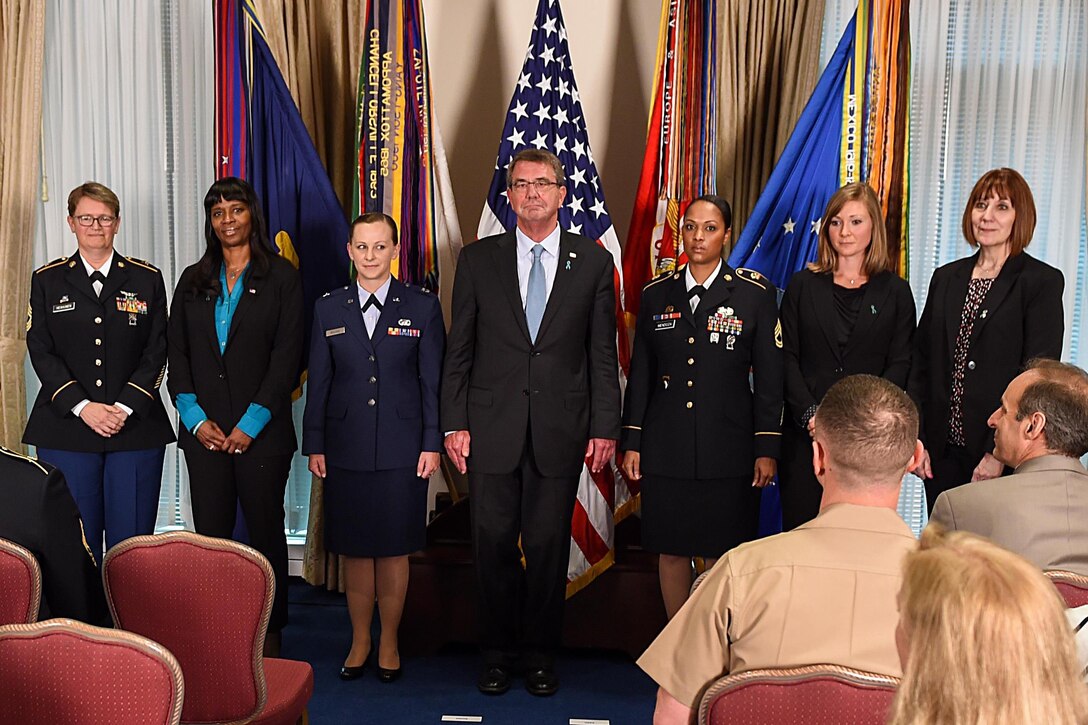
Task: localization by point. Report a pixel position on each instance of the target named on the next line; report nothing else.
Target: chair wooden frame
(33, 570)
(792, 675)
(114, 637)
(1072, 579)
(213, 544)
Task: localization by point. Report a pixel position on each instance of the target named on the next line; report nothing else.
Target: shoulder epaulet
(750, 275)
(50, 265)
(675, 274)
(143, 263)
(21, 457)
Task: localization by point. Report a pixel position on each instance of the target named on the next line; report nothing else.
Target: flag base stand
(620, 610)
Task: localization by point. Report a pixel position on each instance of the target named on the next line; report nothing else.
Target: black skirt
(375, 513)
(702, 517)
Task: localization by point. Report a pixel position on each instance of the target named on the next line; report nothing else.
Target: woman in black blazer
(985, 317)
(847, 313)
(235, 345)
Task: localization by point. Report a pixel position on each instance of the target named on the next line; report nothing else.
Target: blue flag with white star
(780, 236)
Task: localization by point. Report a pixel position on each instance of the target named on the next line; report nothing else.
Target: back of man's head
(1059, 391)
(866, 432)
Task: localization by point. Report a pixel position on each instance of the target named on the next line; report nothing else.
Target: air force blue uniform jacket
(372, 403)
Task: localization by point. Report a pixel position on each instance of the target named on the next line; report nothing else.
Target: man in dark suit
(1039, 511)
(40, 515)
(530, 390)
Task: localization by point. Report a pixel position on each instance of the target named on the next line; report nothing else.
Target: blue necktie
(536, 295)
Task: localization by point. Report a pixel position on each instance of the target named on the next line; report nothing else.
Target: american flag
(546, 113)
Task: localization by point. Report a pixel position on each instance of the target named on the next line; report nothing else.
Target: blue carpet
(593, 684)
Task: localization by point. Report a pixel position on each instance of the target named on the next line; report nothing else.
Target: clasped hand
(211, 436)
(105, 420)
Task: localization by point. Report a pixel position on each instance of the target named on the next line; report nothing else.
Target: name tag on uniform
(666, 325)
(402, 332)
(335, 331)
(64, 306)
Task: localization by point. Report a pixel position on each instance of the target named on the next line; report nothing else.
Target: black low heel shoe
(388, 675)
(352, 673)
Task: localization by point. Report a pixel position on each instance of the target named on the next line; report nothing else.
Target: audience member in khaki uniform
(823, 593)
(1040, 510)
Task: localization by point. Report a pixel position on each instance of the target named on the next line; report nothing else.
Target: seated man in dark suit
(39, 514)
(1040, 510)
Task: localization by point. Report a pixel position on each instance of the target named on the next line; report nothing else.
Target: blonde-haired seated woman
(983, 638)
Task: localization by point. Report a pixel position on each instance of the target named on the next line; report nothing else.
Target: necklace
(233, 274)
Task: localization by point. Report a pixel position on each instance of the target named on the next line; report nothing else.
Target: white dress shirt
(549, 259)
(690, 282)
(370, 317)
(104, 269)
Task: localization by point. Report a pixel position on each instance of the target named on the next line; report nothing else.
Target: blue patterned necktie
(536, 295)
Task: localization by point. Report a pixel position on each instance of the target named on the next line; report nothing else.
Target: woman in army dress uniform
(371, 431)
(697, 434)
(97, 340)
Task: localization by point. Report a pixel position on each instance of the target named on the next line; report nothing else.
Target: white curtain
(1001, 83)
(127, 101)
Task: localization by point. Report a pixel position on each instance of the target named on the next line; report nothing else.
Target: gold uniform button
(98, 341)
(373, 379)
(690, 404)
(691, 340)
(98, 383)
(98, 363)
(370, 402)
(691, 361)
(98, 320)
(690, 383)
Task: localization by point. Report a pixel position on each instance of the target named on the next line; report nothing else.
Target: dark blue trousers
(117, 492)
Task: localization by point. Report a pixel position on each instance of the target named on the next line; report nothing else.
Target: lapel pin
(984, 314)
(572, 254)
(568, 264)
(404, 322)
(396, 299)
(873, 308)
(252, 291)
(728, 278)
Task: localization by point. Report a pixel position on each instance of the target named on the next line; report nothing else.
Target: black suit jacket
(880, 343)
(496, 382)
(1020, 318)
(106, 350)
(39, 514)
(260, 363)
(690, 410)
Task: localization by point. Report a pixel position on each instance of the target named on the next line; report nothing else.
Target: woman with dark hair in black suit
(985, 317)
(235, 345)
(847, 313)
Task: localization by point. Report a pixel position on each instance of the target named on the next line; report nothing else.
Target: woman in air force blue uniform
(371, 431)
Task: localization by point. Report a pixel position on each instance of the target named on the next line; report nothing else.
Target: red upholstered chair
(813, 695)
(1072, 587)
(20, 584)
(208, 600)
(63, 671)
